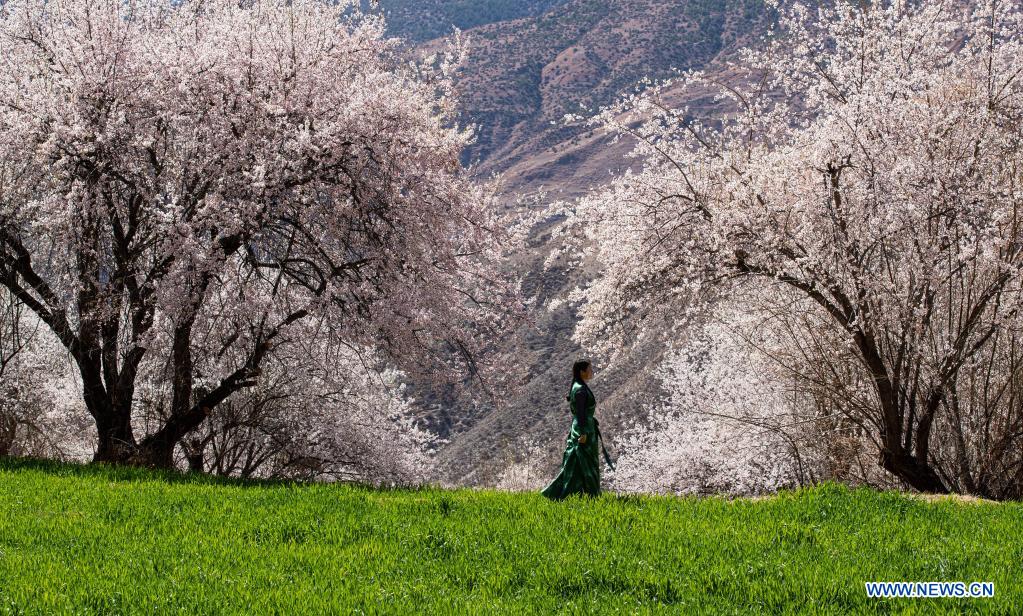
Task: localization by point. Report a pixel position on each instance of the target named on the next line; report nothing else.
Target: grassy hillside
(93, 540)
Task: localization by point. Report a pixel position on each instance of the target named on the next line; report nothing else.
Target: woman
(580, 466)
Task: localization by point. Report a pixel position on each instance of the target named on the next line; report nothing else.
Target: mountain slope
(527, 73)
(418, 21)
(531, 63)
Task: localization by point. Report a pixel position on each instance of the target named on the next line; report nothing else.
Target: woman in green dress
(580, 466)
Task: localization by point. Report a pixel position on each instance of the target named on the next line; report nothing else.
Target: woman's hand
(582, 439)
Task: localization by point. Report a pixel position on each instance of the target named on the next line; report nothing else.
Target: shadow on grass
(124, 473)
(114, 472)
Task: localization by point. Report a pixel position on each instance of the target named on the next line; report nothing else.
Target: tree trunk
(8, 432)
(116, 440)
(155, 454)
(917, 475)
(194, 455)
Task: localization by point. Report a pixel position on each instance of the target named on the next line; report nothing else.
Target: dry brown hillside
(527, 73)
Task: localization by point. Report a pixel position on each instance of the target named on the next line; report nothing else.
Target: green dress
(580, 466)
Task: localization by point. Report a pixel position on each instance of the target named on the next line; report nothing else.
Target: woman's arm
(581, 400)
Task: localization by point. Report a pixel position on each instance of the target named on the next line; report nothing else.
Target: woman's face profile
(587, 374)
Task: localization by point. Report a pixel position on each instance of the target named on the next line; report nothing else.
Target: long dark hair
(577, 375)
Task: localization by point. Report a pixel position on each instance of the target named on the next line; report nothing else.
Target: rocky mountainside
(419, 21)
(532, 62)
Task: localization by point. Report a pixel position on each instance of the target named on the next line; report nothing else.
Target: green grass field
(86, 539)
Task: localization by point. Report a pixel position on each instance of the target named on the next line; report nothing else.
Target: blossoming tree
(321, 410)
(41, 409)
(183, 184)
(869, 177)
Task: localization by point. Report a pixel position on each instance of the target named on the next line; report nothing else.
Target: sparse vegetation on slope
(421, 20)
